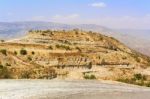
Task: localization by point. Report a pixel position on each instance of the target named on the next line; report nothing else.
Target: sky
(117, 14)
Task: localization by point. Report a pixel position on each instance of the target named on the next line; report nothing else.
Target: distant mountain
(136, 39)
(17, 29)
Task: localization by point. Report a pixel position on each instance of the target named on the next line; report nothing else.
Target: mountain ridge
(131, 38)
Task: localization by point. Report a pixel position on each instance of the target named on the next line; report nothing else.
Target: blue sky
(111, 13)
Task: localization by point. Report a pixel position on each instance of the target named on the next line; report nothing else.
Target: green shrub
(63, 47)
(5, 73)
(89, 65)
(50, 47)
(78, 49)
(148, 84)
(1, 66)
(3, 51)
(7, 64)
(29, 58)
(26, 75)
(2, 41)
(92, 77)
(32, 52)
(139, 77)
(15, 53)
(89, 77)
(23, 52)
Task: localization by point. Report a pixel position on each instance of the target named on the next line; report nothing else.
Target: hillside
(71, 54)
(135, 39)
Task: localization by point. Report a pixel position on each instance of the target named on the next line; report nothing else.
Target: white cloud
(98, 5)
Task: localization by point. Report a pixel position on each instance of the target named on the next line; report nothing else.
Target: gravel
(59, 89)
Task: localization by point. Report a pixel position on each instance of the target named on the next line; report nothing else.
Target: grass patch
(137, 79)
(63, 47)
(89, 77)
(3, 51)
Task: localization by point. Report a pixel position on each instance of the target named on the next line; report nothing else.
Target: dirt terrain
(72, 54)
(77, 89)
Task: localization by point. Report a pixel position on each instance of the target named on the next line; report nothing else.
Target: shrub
(3, 51)
(139, 77)
(89, 77)
(148, 84)
(90, 65)
(32, 52)
(29, 58)
(15, 52)
(23, 52)
(1, 66)
(7, 64)
(103, 62)
(63, 47)
(2, 41)
(78, 49)
(92, 77)
(25, 74)
(50, 47)
(5, 73)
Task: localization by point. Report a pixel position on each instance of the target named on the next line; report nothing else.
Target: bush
(90, 65)
(25, 75)
(5, 73)
(1, 66)
(7, 64)
(32, 52)
(148, 84)
(2, 41)
(139, 77)
(29, 58)
(92, 77)
(50, 47)
(15, 52)
(23, 52)
(89, 77)
(63, 47)
(78, 49)
(3, 51)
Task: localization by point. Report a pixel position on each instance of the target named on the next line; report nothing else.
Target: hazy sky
(111, 13)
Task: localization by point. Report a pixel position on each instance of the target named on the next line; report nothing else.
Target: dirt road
(56, 89)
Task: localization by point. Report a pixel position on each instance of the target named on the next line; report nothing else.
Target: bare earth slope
(72, 54)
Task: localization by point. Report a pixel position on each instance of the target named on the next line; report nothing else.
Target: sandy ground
(58, 89)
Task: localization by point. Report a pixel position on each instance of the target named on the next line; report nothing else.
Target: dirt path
(55, 89)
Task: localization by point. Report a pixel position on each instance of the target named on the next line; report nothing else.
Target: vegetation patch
(88, 76)
(3, 51)
(23, 52)
(137, 79)
(63, 47)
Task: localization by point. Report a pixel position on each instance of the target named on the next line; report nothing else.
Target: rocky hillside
(72, 54)
(9, 30)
